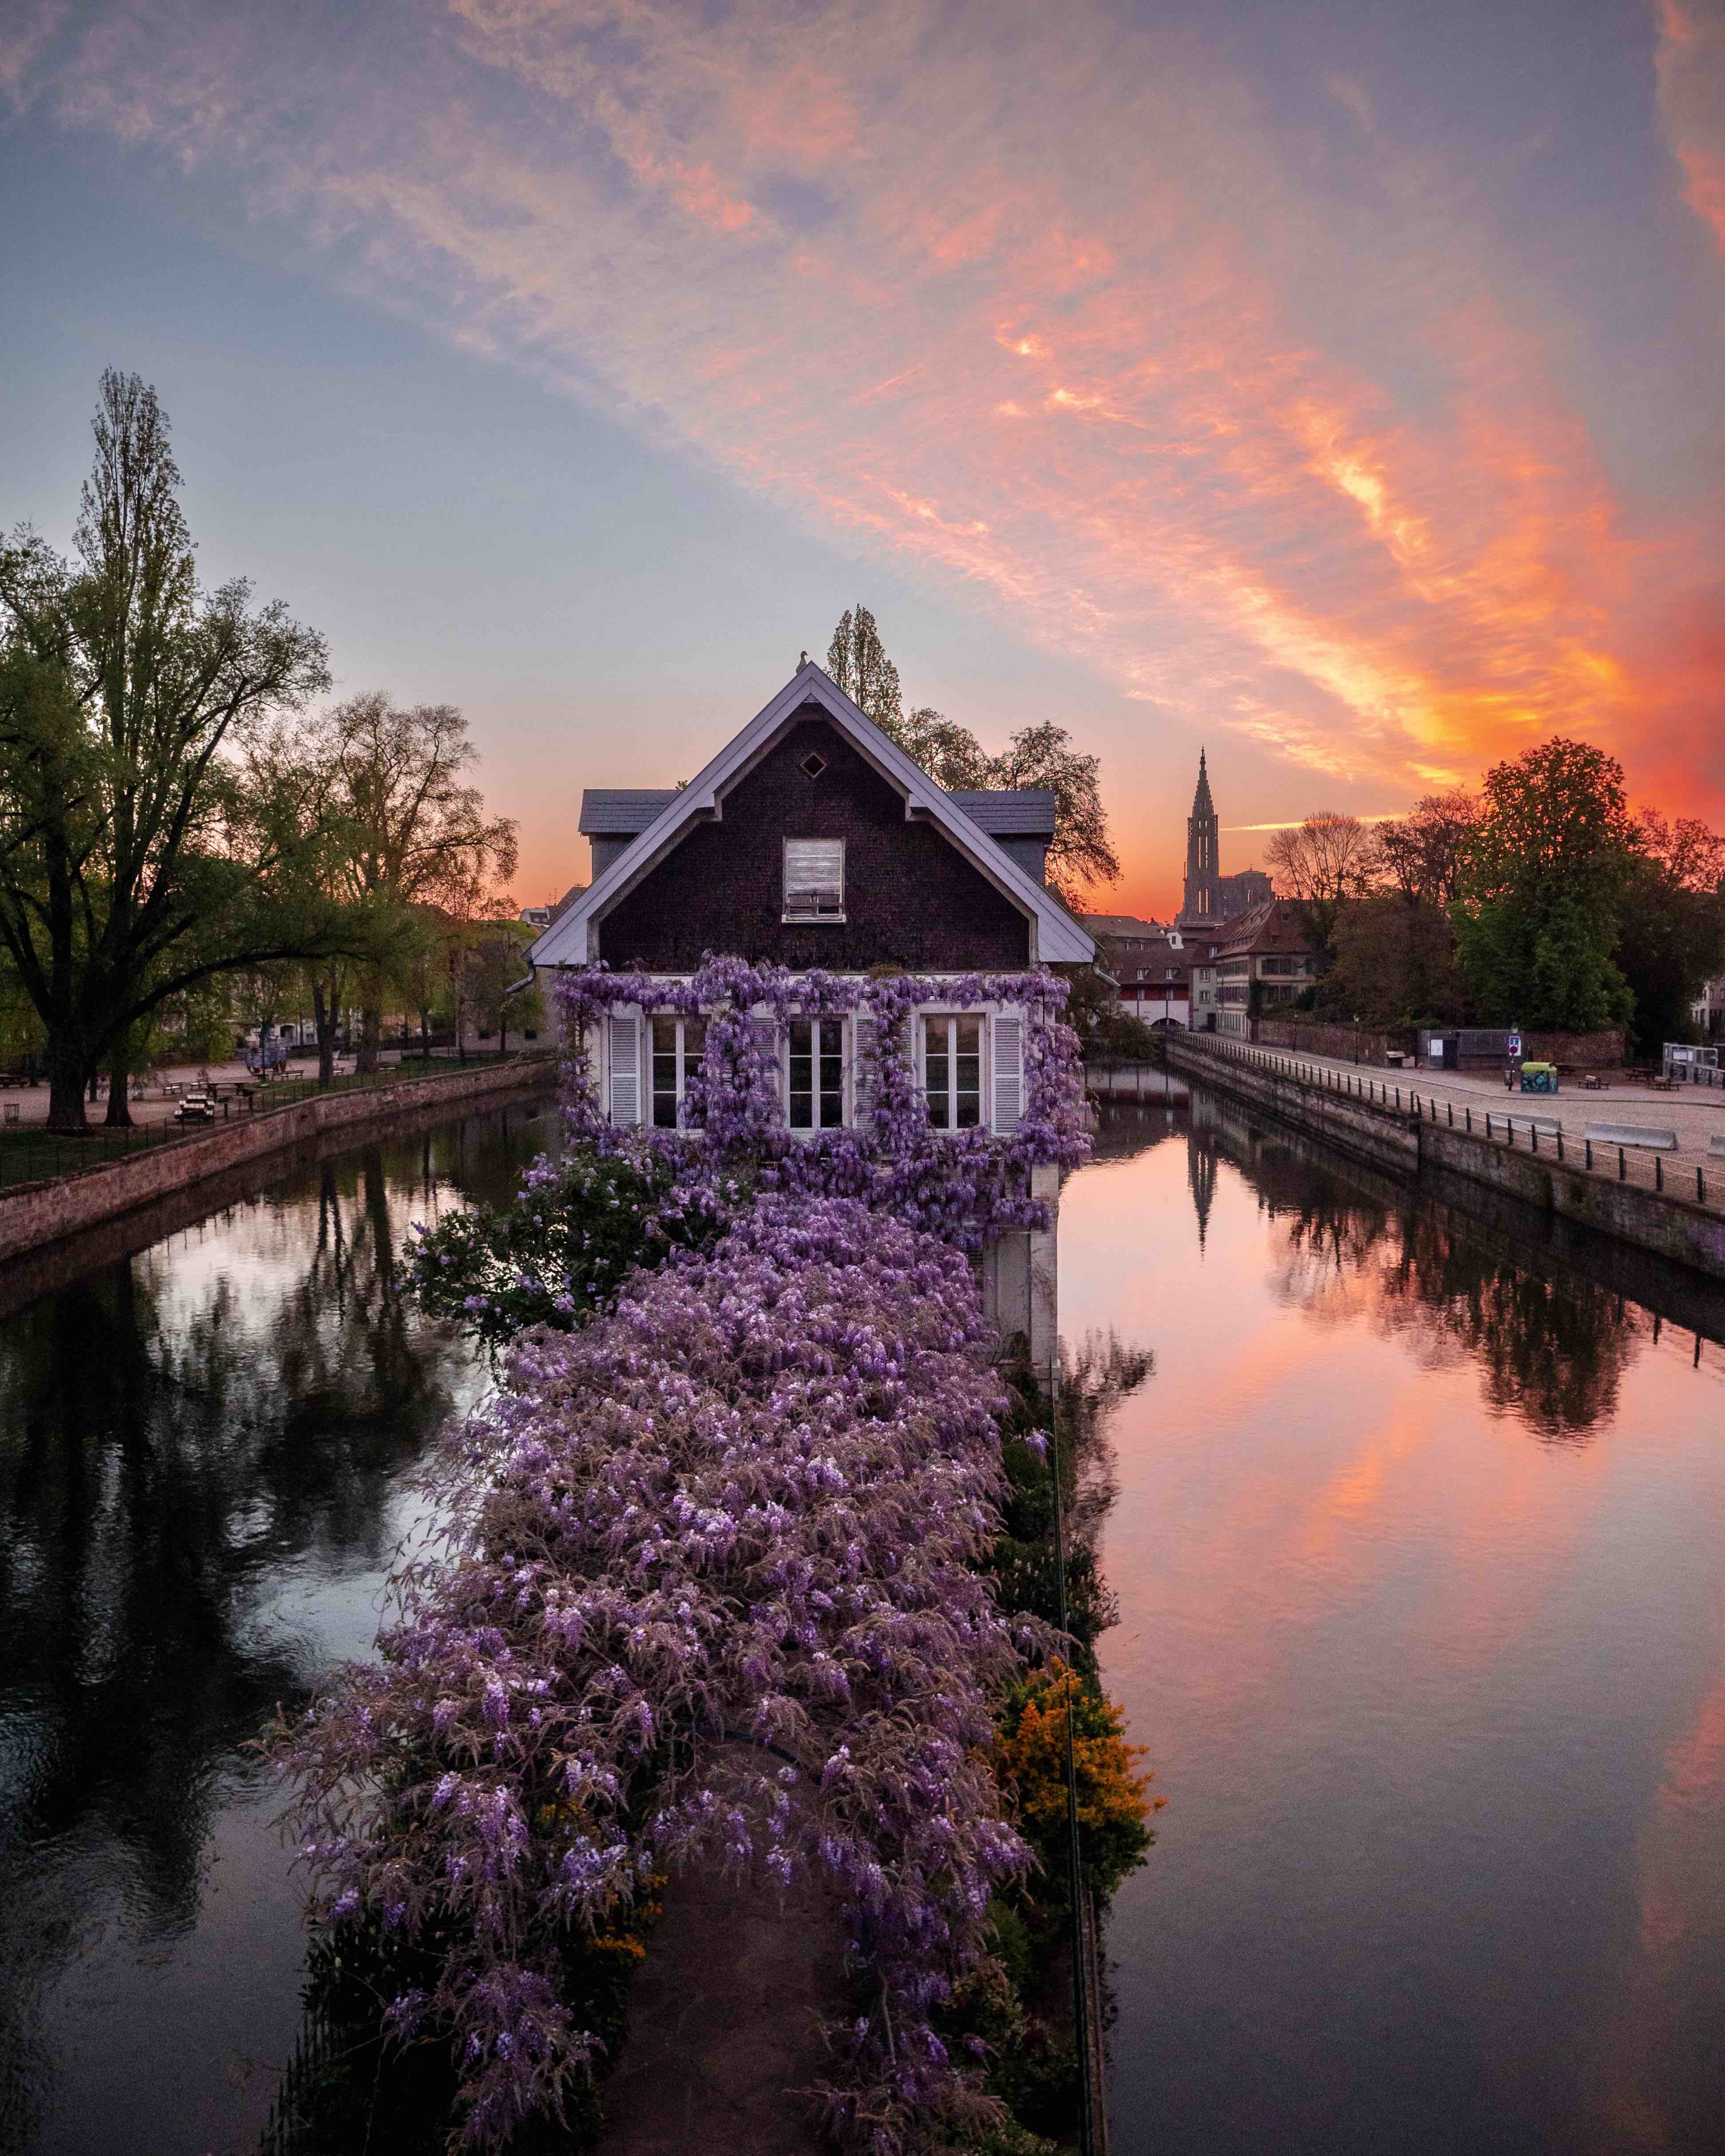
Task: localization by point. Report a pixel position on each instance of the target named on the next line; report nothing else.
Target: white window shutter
(626, 1068)
(764, 1032)
(864, 1032)
(1008, 1042)
(814, 879)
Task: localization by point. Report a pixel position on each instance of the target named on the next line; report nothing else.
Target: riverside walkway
(1481, 1103)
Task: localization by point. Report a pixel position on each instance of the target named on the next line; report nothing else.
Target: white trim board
(1056, 938)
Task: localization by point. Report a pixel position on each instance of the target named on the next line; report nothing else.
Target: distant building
(1157, 988)
(1209, 897)
(542, 916)
(1263, 959)
(1708, 1010)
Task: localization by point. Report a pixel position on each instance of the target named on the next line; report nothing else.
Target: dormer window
(815, 880)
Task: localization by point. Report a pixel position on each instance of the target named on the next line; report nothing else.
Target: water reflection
(1419, 1545)
(202, 1449)
(1549, 1348)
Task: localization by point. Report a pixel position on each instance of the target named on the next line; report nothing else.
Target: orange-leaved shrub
(1113, 1792)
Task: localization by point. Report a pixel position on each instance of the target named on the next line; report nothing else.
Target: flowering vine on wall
(716, 1582)
(962, 1185)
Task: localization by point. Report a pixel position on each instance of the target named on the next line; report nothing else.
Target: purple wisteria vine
(716, 1582)
(711, 1588)
(961, 1185)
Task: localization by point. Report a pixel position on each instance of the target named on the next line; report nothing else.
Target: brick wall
(1351, 1044)
(36, 1214)
(910, 898)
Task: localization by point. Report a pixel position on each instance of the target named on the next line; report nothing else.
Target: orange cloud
(1041, 304)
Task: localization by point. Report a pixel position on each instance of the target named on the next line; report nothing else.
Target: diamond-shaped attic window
(814, 764)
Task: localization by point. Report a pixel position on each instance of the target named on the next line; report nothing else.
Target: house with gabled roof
(812, 841)
(1263, 959)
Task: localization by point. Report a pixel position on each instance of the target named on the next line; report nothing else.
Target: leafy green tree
(1670, 924)
(1081, 854)
(125, 873)
(857, 661)
(417, 833)
(1543, 876)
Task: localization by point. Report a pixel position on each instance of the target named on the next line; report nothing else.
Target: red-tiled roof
(1274, 926)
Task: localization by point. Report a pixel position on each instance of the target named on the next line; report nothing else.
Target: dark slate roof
(1025, 811)
(1123, 927)
(621, 812)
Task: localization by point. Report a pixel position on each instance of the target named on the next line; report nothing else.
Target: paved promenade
(1696, 1113)
(1523, 1120)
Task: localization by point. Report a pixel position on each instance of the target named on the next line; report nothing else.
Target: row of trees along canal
(179, 839)
(1540, 900)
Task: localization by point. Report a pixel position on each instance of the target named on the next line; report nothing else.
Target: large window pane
(952, 1072)
(816, 1074)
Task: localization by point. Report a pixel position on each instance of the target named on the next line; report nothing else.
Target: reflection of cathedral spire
(1201, 1177)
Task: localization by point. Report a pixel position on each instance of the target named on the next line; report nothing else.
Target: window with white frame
(952, 1071)
(678, 1045)
(814, 879)
(814, 1073)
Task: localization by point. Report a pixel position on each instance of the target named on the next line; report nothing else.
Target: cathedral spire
(1203, 893)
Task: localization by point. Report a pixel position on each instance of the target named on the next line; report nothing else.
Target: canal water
(1416, 1532)
(1418, 1538)
(206, 1451)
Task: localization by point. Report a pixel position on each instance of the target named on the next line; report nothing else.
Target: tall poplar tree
(131, 868)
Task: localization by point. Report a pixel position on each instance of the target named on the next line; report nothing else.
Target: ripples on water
(1418, 1542)
(1416, 1534)
(203, 1451)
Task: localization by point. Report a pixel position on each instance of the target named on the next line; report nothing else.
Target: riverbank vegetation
(1540, 901)
(186, 850)
(749, 1564)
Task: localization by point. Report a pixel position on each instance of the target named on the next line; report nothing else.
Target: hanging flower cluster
(711, 1588)
(963, 1185)
(630, 1193)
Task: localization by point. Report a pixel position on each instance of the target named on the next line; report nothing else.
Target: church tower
(1203, 900)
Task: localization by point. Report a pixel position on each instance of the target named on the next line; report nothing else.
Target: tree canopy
(1320, 865)
(126, 834)
(1542, 877)
(1081, 854)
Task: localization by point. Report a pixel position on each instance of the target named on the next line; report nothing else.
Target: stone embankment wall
(1365, 1132)
(38, 1213)
(1689, 1234)
(1351, 1044)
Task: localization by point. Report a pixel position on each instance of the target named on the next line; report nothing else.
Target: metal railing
(1529, 1127)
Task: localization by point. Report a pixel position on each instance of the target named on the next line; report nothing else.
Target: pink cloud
(1691, 102)
(1032, 302)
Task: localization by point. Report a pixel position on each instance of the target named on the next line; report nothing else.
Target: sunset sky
(1338, 387)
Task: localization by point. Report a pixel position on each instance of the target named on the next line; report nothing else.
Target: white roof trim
(1057, 938)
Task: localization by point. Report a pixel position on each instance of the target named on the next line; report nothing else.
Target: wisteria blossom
(962, 1185)
(710, 1591)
